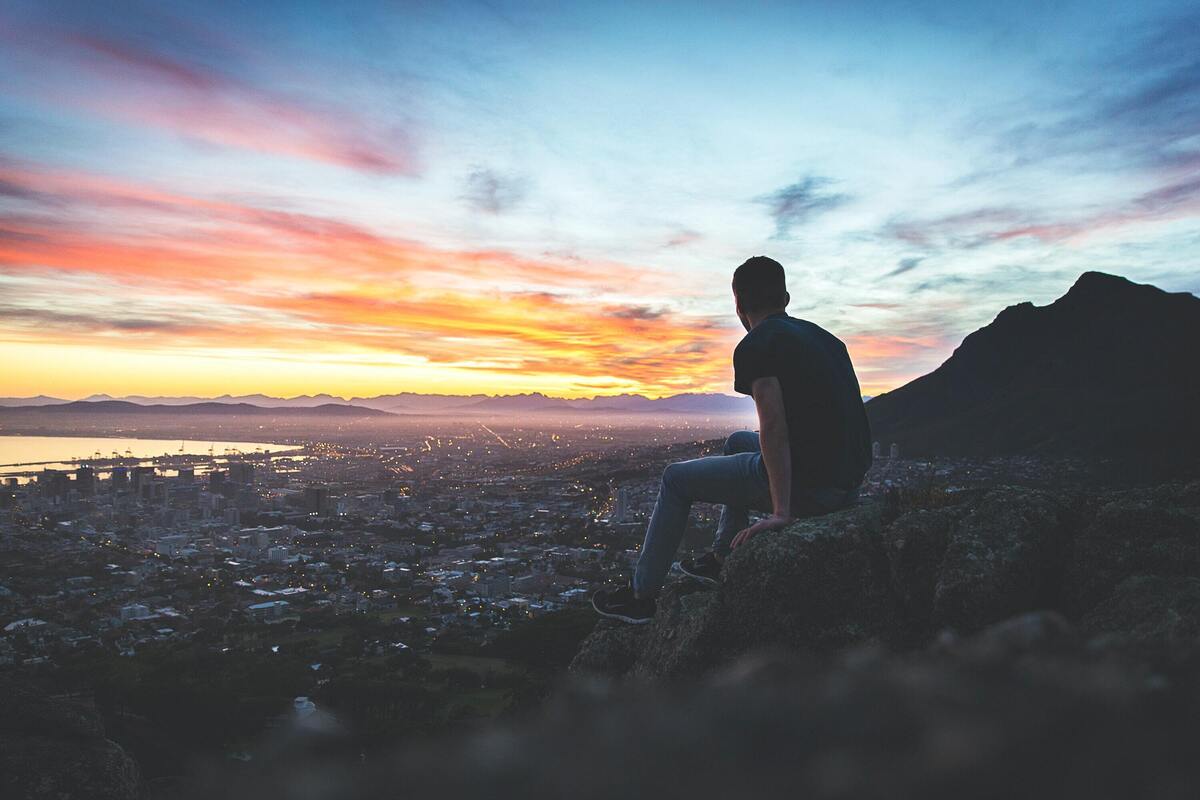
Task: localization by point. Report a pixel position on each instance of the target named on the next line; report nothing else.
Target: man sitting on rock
(809, 457)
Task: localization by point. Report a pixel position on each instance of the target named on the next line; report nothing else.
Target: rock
(1150, 609)
(1038, 631)
(1004, 557)
(822, 584)
(916, 543)
(852, 577)
(819, 585)
(1138, 534)
(55, 748)
(611, 649)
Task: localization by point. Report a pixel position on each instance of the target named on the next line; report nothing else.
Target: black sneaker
(705, 568)
(620, 603)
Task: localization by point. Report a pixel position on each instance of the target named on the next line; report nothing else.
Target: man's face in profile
(737, 307)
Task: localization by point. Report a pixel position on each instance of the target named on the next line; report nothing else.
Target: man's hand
(771, 523)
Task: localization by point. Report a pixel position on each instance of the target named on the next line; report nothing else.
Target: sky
(366, 198)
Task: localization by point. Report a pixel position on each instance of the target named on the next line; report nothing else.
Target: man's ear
(787, 298)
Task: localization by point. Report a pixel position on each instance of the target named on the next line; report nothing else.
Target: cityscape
(454, 536)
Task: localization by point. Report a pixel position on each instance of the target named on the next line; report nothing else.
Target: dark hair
(759, 285)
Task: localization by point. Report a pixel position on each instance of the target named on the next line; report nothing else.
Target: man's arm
(777, 456)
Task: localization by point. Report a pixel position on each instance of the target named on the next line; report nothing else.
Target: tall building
(53, 484)
(241, 472)
(85, 481)
(119, 479)
(138, 478)
(894, 452)
(621, 510)
(316, 500)
(875, 450)
(187, 474)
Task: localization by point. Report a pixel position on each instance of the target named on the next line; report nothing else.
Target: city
(443, 543)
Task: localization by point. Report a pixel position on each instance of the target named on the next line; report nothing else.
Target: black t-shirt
(827, 423)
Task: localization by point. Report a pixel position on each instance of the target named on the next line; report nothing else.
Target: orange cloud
(294, 284)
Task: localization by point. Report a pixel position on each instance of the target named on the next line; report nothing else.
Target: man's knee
(741, 442)
(672, 474)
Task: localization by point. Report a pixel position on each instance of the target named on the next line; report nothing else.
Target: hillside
(1109, 369)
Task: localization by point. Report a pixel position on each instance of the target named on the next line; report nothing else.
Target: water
(23, 454)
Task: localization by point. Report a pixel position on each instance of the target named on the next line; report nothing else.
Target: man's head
(759, 289)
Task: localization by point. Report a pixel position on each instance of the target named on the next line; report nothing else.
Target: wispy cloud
(905, 265)
(204, 91)
(494, 192)
(797, 203)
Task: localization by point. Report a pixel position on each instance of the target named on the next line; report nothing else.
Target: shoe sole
(622, 617)
(707, 581)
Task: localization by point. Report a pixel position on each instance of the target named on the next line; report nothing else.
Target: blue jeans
(738, 481)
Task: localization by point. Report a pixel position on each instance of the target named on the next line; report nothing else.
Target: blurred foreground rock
(55, 748)
(1026, 708)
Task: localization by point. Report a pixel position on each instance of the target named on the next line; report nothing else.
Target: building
(875, 450)
(85, 481)
(495, 586)
(241, 472)
(138, 477)
(270, 610)
(134, 611)
(170, 546)
(316, 500)
(621, 511)
(894, 452)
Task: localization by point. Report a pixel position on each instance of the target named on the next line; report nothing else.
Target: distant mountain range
(1110, 368)
(229, 409)
(403, 403)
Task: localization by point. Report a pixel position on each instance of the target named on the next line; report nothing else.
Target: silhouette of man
(808, 458)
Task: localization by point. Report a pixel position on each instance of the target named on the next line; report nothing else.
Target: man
(809, 457)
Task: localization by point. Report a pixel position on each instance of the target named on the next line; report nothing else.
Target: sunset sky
(366, 198)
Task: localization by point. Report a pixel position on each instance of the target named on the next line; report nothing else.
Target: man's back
(827, 424)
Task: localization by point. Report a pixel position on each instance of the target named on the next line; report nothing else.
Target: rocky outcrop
(822, 585)
(55, 748)
(1124, 564)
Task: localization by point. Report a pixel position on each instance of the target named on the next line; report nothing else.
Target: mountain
(415, 403)
(207, 407)
(40, 400)
(418, 403)
(301, 401)
(1108, 369)
(518, 402)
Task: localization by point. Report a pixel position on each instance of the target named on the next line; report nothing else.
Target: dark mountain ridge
(1108, 369)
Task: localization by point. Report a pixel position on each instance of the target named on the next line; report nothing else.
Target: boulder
(1005, 556)
(819, 585)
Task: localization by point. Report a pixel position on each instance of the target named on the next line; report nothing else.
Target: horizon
(499, 199)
